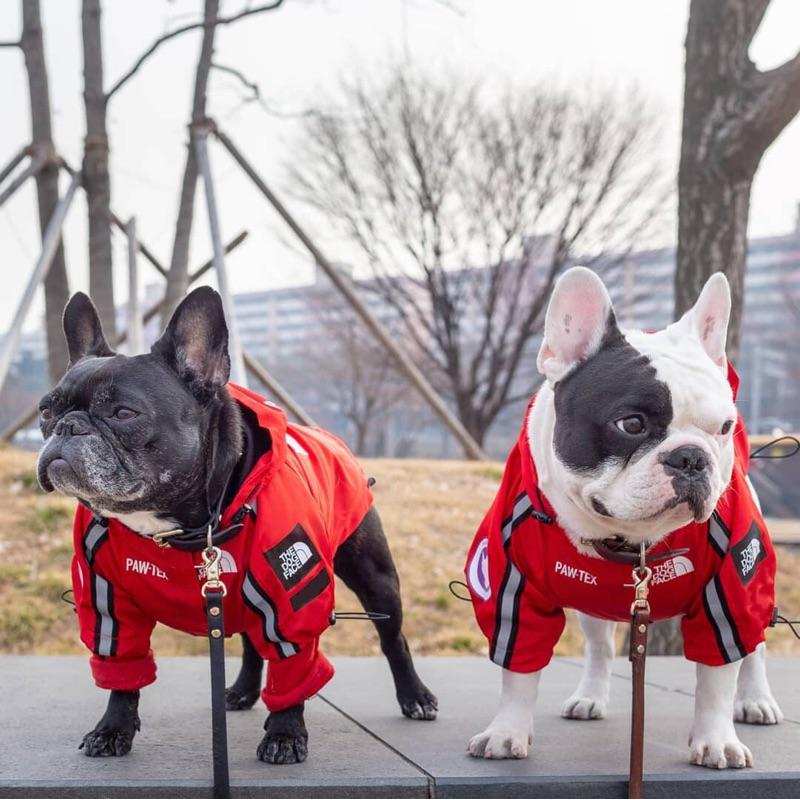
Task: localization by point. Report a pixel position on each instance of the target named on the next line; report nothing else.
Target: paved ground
(361, 747)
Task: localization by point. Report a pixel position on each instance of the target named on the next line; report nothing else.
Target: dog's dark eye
(125, 414)
(633, 425)
(45, 413)
(726, 427)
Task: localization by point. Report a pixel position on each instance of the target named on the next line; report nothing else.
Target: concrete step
(360, 746)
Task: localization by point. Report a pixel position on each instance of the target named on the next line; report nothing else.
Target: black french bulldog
(188, 427)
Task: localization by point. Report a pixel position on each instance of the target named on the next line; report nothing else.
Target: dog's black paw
(419, 704)
(286, 737)
(113, 735)
(240, 700)
(282, 749)
(106, 742)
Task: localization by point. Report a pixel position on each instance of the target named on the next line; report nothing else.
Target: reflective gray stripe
(512, 585)
(522, 506)
(104, 643)
(718, 534)
(506, 616)
(91, 539)
(268, 614)
(714, 603)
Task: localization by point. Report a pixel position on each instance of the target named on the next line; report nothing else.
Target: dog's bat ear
(195, 343)
(82, 329)
(578, 319)
(708, 318)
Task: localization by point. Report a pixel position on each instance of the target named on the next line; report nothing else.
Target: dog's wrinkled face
(642, 424)
(125, 434)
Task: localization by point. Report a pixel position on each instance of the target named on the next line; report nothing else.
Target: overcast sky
(296, 55)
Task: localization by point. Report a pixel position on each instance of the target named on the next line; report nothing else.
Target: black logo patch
(293, 557)
(747, 553)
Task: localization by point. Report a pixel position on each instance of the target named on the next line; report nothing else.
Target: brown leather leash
(640, 622)
(619, 550)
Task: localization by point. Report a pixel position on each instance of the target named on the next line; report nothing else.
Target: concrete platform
(361, 747)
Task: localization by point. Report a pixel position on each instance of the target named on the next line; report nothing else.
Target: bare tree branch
(256, 95)
(466, 208)
(178, 32)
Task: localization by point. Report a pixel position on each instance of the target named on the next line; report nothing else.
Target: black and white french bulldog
(616, 409)
(150, 440)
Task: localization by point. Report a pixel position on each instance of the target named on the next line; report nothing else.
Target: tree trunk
(56, 287)
(732, 112)
(178, 277)
(712, 237)
(96, 180)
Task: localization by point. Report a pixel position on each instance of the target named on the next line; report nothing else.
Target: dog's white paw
(583, 706)
(759, 709)
(497, 742)
(717, 746)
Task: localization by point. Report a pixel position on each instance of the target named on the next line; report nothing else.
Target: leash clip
(211, 559)
(641, 582)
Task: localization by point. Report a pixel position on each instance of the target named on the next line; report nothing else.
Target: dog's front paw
(286, 737)
(282, 748)
(107, 742)
(496, 742)
(717, 746)
(757, 710)
(584, 706)
(420, 703)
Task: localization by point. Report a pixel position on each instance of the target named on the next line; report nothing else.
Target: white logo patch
(293, 558)
(478, 571)
(576, 574)
(672, 568)
(142, 567)
(750, 556)
(227, 563)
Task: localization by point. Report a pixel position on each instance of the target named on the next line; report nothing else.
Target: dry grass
(430, 510)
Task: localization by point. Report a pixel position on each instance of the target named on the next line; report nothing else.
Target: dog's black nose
(688, 461)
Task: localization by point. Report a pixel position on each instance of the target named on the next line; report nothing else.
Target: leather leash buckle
(641, 588)
(211, 559)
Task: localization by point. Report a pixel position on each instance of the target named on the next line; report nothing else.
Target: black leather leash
(214, 591)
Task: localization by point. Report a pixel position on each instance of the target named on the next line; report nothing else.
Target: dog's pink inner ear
(576, 320)
(710, 316)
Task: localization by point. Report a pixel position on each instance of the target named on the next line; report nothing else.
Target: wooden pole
(34, 167)
(50, 242)
(135, 332)
(275, 388)
(345, 287)
(12, 165)
(143, 249)
(200, 136)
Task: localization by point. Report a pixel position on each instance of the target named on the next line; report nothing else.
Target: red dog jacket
(523, 570)
(308, 494)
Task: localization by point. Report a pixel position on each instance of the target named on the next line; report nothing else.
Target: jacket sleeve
(728, 620)
(288, 590)
(520, 623)
(111, 625)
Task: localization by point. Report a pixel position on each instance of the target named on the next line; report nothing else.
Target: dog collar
(620, 550)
